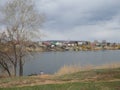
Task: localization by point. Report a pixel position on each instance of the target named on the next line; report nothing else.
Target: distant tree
(21, 21)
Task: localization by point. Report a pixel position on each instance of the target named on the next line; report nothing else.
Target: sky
(80, 19)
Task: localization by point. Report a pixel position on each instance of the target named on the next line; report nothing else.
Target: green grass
(74, 86)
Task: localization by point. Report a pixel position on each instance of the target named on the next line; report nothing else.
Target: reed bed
(68, 69)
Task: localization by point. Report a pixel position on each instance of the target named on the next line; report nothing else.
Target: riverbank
(95, 79)
(62, 45)
(71, 48)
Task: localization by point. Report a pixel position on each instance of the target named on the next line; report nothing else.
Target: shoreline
(68, 49)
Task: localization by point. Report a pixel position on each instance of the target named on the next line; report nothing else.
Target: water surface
(50, 62)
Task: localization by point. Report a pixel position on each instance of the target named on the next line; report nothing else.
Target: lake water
(51, 62)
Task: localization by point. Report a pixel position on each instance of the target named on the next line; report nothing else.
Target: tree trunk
(5, 66)
(20, 67)
(7, 69)
(8, 72)
(15, 71)
(15, 63)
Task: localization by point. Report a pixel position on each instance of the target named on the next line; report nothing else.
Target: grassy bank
(114, 85)
(95, 79)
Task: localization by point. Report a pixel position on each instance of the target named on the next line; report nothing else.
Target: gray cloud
(81, 19)
(65, 13)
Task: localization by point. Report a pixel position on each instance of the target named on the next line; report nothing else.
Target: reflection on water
(50, 62)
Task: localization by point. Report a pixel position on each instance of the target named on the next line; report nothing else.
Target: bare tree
(21, 21)
(6, 61)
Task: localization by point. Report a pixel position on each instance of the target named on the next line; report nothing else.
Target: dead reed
(68, 69)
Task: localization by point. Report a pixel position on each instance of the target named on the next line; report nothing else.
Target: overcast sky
(81, 19)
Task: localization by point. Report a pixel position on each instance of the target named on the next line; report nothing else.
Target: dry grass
(68, 69)
(108, 66)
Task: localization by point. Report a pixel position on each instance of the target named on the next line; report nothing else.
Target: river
(51, 62)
